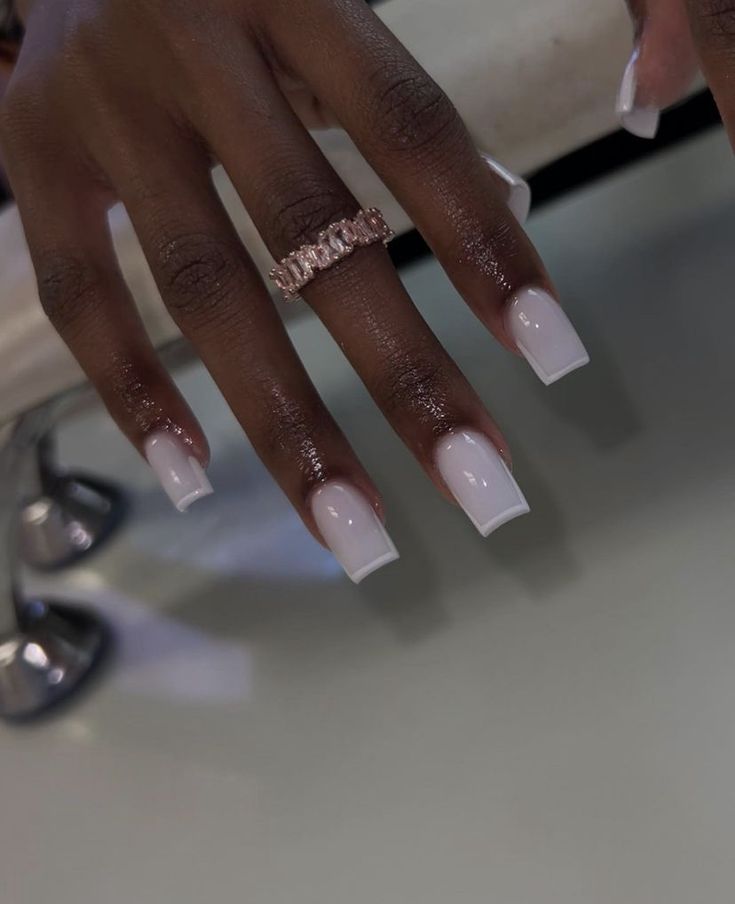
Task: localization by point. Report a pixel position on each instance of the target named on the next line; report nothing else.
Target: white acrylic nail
(519, 197)
(545, 335)
(181, 475)
(638, 120)
(351, 529)
(479, 480)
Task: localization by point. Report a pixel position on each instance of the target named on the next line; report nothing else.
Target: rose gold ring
(333, 245)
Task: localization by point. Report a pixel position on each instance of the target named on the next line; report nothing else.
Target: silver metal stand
(64, 516)
(46, 650)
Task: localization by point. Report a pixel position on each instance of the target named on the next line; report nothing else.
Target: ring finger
(412, 135)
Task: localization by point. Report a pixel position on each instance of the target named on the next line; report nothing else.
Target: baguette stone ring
(333, 245)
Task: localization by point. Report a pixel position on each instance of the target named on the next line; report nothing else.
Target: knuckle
(199, 274)
(299, 220)
(68, 289)
(412, 113)
(18, 113)
(82, 34)
(8, 107)
(717, 20)
(7, 132)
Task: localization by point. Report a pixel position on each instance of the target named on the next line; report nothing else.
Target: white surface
(544, 717)
(532, 79)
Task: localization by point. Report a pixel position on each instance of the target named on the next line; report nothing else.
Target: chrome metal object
(64, 517)
(46, 650)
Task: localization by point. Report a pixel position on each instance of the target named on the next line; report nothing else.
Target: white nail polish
(545, 335)
(639, 121)
(352, 530)
(479, 480)
(519, 197)
(181, 475)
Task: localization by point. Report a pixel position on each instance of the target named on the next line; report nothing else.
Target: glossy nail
(519, 197)
(351, 529)
(544, 335)
(479, 480)
(641, 121)
(181, 475)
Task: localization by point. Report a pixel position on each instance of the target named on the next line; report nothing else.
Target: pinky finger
(84, 295)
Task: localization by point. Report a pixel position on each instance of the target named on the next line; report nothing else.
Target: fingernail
(181, 475)
(479, 480)
(519, 197)
(352, 530)
(638, 120)
(544, 335)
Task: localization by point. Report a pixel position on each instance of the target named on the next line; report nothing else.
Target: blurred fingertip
(641, 120)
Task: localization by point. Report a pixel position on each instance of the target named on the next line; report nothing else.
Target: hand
(673, 38)
(134, 100)
(8, 56)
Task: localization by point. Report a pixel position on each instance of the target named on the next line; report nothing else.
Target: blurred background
(544, 716)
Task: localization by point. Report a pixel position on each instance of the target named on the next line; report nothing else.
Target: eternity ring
(334, 244)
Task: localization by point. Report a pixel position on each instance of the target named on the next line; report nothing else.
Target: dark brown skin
(134, 100)
(8, 56)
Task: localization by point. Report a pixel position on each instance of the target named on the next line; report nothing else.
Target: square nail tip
(498, 521)
(565, 371)
(183, 504)
(520, 201)
(357, 576)
(642, 123)
(549, 378)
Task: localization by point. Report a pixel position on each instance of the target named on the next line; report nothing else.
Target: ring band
(333, 245)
